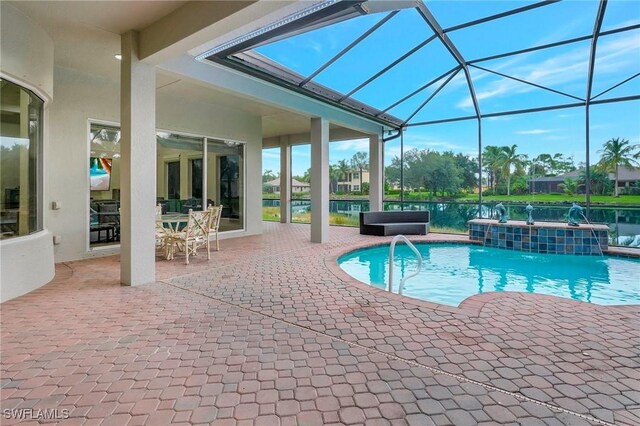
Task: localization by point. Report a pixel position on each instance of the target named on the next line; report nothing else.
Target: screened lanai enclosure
(481, 101)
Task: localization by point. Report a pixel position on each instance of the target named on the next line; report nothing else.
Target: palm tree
(490, 159)
(617, 152)
(508, 158)
(334, 177)
(343, 168)
(360, 161)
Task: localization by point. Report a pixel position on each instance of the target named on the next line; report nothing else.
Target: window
(356, 187)
(104, 177)
(356, 175)
(225, 184)
(20, 145)
(185, 180)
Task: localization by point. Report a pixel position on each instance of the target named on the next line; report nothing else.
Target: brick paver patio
(272, 332)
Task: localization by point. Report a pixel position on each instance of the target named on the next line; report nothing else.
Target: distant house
(627, 176)
(353, 181)
(551, 184)
(296, 186)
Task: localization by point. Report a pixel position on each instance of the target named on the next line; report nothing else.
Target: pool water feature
(453, 272)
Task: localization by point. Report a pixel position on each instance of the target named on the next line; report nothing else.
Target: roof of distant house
(575, 174)
(624, 174)
(294, 182)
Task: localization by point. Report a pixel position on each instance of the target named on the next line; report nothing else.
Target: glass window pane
(305, 53)
(450, 13)
(452, 101)
(104, 176)
(20, 144)
(300, 181)
(620, 14)
(440, 174)
(547, 152)
(348, 181)
(617, 59)
(225, 182)
(418, 69)
(563, 68)
(548, 24)
(271, 184)
(396, 37)
(391, 172)
(497, 94)
(176, 175)
(614, 131)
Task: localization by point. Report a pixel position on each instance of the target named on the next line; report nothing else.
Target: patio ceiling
(415, 63)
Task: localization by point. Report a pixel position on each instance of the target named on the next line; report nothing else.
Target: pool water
(453, 272)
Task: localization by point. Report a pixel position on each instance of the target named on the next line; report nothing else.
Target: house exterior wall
(83, 97)
(26, 57)
(352, 181)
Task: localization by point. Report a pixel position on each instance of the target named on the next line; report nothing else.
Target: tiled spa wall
(538, 240)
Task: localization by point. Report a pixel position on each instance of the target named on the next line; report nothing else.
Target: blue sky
(562, 68)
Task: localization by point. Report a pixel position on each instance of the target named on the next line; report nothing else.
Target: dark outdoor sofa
(394, 223)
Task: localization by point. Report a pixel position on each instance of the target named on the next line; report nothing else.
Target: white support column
(285, 180)
(376, 173)
(138, 162)
(319, 180)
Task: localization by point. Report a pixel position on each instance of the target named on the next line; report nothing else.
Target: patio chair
(195, 234)
(162, 233)
(216, 214)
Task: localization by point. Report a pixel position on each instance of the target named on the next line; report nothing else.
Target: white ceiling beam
(254, 89)
(335, 135)
(198, 23)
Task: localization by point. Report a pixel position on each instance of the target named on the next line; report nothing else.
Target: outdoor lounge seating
(394, 223)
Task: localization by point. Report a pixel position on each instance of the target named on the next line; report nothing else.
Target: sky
(562, 68)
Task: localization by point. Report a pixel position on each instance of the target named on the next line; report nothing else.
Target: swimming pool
(453, 272)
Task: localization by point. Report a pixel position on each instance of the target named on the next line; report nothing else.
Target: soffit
(86, 36)
(111, 16)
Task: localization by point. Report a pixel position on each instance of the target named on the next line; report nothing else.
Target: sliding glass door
(184, 180)
(225, 181)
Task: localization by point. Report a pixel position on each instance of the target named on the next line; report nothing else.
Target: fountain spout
(529, 210)
(574, 215)
(502, 213)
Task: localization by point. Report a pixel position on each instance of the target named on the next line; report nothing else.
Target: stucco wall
(26, 264)
(26, 58)
(81, 97)
(26, 50)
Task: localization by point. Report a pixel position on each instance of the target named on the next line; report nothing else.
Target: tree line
(338, 172)
(506, 171)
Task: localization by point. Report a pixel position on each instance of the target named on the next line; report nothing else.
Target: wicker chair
(162, 233)
(214, 224)
(194, 235)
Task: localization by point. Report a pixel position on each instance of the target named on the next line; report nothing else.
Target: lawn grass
(627, 200)
(558, 198)
(271, 214)
(334, 219)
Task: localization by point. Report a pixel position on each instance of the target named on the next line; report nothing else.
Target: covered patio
(252, 338)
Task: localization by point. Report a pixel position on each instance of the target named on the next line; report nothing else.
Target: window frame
(43, 119)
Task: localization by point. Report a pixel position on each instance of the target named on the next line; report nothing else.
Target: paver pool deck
(272, 332)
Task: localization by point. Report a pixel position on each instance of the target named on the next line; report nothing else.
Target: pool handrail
(392, 247)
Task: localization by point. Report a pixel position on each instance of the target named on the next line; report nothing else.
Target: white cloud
(532, 132)
(271, 153)
(422, 142)
(351, 145)
(614, 55)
